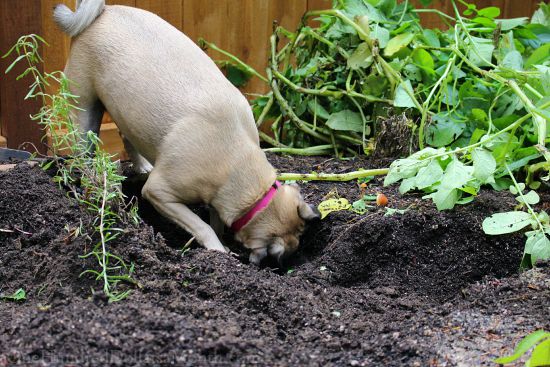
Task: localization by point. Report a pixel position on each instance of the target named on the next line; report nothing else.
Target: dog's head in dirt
(277, 229)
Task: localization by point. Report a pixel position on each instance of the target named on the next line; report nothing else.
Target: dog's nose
(315, 211)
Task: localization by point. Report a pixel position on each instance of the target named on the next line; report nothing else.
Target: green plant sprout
(18, 296)
(540, 356)
(537, 245)
(91, 178)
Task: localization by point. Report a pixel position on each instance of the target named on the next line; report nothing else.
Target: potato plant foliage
(477, 95)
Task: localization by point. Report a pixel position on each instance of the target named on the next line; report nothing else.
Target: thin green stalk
(363, 119)
(529, 208)
(404, 12)
(340, 177)
(265, 111)
(438, 12)
(537, 118)
(466, 31)
(235, 59)
(533, 90)
(426, 105)
(101, 231)
(300, 124)
(268, 139)
(394, 76)
(316, 150)
(316, 92)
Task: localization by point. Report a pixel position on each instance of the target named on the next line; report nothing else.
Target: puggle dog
(183, 123)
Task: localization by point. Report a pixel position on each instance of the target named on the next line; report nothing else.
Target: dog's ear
(308, 211)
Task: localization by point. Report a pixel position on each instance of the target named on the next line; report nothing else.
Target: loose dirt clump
(420, 288)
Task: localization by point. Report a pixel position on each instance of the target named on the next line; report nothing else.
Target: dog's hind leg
(88, 118)
(90, 109)
(158, 192)
(141, 165)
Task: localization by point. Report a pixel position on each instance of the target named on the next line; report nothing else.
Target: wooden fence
(239, 26)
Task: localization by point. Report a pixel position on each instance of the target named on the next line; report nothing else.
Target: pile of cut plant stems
(476, 97)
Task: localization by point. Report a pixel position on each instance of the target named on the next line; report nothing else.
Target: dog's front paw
(257, 255)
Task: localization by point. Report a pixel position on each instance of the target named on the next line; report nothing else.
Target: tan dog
(183, 122)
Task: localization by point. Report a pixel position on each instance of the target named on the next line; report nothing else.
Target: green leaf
(542, 15)
(19, 295)
(466, 200)
(431, 38)
(361, 58)
(530, 198)
(359, 207)
(507, 24)
(375, 85)
(538, 56)
(353, 8)
(509, 222)
(407, 185)
(450, 96)
(346, 120)
(332, 205)
(484, 165)
(316, 109)
(537, 245)
(429, 175)
(541, 355)
(237, 76)
(513, 60)
(456, 175)
(423, 59)
(515, 191)
(489, 12)
(382, 35)
(443, 130)
(480, 51)
(408, 167)
(444, 198)
(523, 346)
(505, 121)
(484, 22)
(479, 115)
(397, 43)
(402, 98)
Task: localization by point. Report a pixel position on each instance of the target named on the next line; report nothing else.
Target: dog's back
(149, 74)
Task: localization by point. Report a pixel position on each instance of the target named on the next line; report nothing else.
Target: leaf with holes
(332, 205)
(509, 222)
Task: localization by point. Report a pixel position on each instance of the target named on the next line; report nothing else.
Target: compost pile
(418, 288)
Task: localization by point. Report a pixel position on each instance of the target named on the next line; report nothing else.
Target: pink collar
(261, 204)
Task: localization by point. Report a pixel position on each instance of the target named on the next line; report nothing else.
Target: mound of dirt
(420, 288)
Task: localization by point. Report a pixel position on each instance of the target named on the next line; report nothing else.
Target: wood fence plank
(123, 2)
(55, 55)
(242, 30)
(319, 4)
(169, 10)
(17, 18)
(515, 8)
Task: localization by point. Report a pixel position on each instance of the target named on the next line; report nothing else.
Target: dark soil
(420, 288)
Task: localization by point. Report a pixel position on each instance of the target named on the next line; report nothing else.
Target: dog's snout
(315, 211)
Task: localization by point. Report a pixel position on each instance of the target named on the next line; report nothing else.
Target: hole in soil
(421, 252)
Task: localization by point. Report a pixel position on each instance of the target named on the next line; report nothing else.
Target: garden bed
(422, 288)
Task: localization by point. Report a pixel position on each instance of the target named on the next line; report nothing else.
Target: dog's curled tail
(73, 23)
